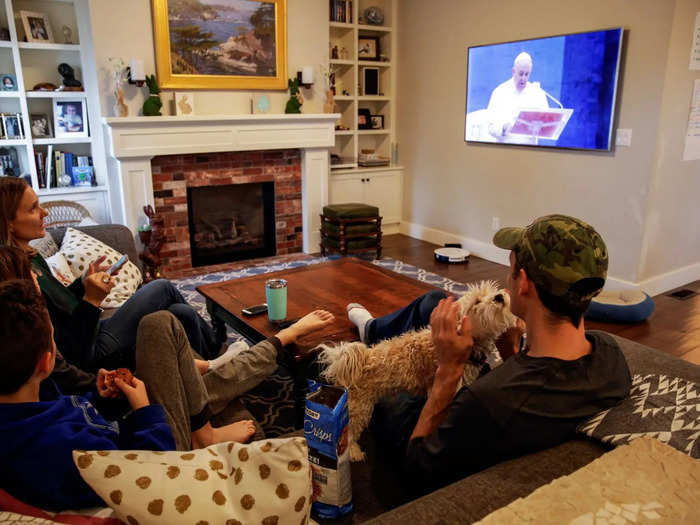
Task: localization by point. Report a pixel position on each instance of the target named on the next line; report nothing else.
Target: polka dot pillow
(80, 249)
(266, 482)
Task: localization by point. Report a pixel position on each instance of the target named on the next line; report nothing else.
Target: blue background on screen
(579, 70)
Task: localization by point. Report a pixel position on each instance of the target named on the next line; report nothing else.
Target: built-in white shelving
(34, 63)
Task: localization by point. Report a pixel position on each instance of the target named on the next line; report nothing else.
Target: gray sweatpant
(165, 362)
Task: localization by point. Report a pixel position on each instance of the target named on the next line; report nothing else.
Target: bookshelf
(349, 180)
(32, 63)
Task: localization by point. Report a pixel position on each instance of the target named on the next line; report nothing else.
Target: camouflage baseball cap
(558, 251)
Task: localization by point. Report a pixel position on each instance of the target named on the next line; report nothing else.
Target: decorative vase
(329, 106)
(120, 108)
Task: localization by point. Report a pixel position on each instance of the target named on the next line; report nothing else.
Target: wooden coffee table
(330, 286)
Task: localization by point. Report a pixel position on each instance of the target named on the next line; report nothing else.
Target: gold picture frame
(207, 57)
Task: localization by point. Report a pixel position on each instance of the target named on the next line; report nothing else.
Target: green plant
(295, 99)
(151, 108)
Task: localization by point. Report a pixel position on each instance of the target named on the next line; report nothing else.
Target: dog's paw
(356, 453)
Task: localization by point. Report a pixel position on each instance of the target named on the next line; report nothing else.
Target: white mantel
(134, 141)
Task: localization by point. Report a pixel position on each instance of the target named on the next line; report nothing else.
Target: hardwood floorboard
(674, 327)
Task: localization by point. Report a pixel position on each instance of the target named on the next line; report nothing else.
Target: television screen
(557, 91)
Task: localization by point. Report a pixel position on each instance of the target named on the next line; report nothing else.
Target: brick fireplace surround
(173, 174)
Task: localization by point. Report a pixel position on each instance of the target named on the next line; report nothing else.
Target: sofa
(378, 496)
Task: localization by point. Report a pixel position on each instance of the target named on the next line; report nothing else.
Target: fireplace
(231, 223)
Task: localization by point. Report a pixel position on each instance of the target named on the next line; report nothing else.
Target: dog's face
(488, 308)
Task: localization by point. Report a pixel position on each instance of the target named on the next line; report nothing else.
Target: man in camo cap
(538, 396)
(565, 259)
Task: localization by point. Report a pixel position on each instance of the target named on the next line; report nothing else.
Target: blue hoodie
(37, 441)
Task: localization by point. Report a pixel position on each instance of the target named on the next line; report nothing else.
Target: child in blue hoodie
(39, 427)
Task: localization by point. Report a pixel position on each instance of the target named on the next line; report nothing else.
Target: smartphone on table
(255, 310)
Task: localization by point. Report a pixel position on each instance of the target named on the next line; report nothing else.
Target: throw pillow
(81, 249)
(663, 407)
(60, 268)
(46, 246)
(266, 482)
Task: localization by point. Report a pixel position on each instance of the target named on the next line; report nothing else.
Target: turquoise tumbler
(276, 295)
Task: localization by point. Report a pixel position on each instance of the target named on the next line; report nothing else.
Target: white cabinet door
(380, 188)
(346, 188)
(383, 190)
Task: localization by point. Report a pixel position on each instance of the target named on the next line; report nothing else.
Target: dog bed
(625, 306)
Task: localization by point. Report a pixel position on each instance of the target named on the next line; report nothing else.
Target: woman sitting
(81, 336)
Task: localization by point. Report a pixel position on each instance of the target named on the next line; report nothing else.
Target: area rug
(272, 402)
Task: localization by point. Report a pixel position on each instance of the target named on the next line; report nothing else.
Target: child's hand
(134, 393)
(105, 387)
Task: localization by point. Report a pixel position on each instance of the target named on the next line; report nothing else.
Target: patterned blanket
(646, 481)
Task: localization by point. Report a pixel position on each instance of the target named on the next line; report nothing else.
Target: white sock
(359, 316)
(232, 351)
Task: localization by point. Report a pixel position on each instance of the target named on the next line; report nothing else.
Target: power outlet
(623, 137)
(495, 223)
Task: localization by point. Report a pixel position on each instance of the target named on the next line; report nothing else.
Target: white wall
(672, 232)
(124, 28)
(453, 189)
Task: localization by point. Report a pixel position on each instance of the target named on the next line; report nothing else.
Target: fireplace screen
(231, 223)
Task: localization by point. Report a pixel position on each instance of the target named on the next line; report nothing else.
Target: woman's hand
(97, 287)
(307, 324)
(96, 266)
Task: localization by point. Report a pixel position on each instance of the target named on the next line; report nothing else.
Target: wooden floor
(674, 327)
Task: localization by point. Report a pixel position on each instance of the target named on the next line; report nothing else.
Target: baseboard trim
(480, 249)
(668, 281)
(653, 286)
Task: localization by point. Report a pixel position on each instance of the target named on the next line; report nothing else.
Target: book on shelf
(57, 168)
(341, 11)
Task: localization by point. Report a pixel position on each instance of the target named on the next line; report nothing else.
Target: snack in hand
(122, 373)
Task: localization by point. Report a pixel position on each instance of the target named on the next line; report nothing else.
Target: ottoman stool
(351, 228)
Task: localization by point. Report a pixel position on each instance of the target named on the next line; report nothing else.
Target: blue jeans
(414, 316)
(116, 339)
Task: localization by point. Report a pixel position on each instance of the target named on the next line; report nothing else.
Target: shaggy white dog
(407, 363)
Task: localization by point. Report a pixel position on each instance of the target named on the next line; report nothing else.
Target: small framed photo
(368, 48)
(70, 117)
(12, 126)
(184, 104)
(36, 26)
(8, 82)
(364, 119)
(41, 126)
(377, 121)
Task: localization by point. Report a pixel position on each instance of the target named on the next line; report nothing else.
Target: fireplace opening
(231, 223)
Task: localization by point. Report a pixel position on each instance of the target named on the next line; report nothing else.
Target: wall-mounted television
(555, 91)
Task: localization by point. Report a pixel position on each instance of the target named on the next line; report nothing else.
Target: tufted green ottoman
(351, 228)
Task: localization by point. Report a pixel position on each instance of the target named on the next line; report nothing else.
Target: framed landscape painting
(221, 44)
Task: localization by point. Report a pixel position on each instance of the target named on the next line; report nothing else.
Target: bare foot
(202, 366)
(240, 431)
(307, 324)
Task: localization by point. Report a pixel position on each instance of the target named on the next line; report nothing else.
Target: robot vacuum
(451, 255)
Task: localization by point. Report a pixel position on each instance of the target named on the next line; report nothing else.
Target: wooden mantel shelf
(139, 137)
